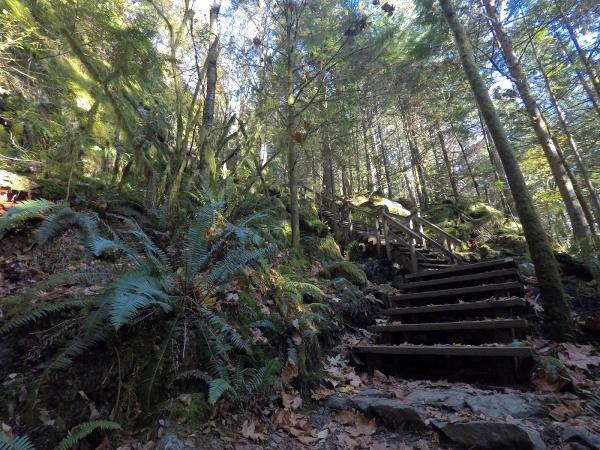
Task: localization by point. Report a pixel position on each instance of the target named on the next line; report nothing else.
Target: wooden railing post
(377, 235)
(420, 230)
(413, 250)
(386, 238)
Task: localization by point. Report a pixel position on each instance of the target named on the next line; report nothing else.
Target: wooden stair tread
(464, 268)
(450, 326)
(461, 279)
(447, 350)
(440, 266)
(510, 286)
(456, 307)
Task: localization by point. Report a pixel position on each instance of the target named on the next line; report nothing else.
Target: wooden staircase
(458, 322)
(454, 319)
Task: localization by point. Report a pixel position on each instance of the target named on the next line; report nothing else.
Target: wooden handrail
(437, 229)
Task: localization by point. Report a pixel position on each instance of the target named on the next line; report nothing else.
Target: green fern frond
(66, 218)
(196, 249)
(264, 377)
(24, 211)
(40, 312)
(78, 347)
(269, 324)
(217, 388)
(134, 291)
(234, 261)
(83, 430)
(15, 443)
(226, 329)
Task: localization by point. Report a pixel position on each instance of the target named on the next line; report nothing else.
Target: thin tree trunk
(580, 76)
(558, 323)
(416, 163)
(370, 183)
(466, 159)
(496, 163)
(581, 229)
(585, 62)
(208, 162)
(448, 165)
(595, 200)
(386, 161)
(290, 115)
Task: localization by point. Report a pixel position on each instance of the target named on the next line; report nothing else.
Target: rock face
(483, 435)
(581, 436)
(171, 442)
(393, 413)
(496, 406)
(375, 403)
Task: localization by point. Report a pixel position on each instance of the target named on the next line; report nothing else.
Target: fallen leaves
(253, 431)
(578, 356)
(296, 424)
(289, 371)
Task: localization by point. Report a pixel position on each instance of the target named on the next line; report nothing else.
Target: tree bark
(208, 162)
(585, 62)
(580, 76)
(466, 159)
(448, 165)
(595, 200)
(386, 162)
(367, 157)
(558, 323)
(416, 163)
(581, 229)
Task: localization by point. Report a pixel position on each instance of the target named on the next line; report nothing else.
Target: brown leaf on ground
(548, 382)
(567, 409)
(289, 371)
(356, 423)
(578, 356)
(291, 401)
(296, 424)
(249, 431)
(321, 393)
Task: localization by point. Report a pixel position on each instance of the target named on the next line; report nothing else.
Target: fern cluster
(23, 212)
(169, 293)
(75, 436)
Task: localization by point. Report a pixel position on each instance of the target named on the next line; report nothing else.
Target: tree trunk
(585, 62)
(386, 162)
(290, 115)
(580, 77)
(496, 163)
(208, 162)
(558, 323)
(581, 229)
(416, 163)
(595, 200)
(466, 159)
(367, 157)
(448, 165)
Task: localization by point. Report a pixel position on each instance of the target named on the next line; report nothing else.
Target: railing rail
(386, 225)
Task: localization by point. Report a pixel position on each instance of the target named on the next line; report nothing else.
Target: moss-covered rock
(309, 221)
(347, 270)
(324, 250)
(190, 408)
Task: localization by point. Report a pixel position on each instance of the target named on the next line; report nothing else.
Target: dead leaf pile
(355, 431)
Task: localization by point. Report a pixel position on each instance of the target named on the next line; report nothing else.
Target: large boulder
(344, 269)
(482, 435)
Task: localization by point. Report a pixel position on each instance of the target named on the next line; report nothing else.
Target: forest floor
(560, 409)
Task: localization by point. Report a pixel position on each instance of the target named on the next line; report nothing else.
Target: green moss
(309, 221)
(325, 249)
(189, 408)
(345, 269)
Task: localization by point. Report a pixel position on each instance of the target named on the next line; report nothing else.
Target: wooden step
(450, 326)
(463, 269)
(435, 266)
(447, 350)
(513, 286)
(491, 275)
(456, 307)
